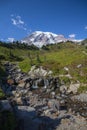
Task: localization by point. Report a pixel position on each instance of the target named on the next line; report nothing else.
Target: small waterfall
(35, 86)
(46, 83)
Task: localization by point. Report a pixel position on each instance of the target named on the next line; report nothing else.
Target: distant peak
(38, 32)
(40, 38)
(46, 33)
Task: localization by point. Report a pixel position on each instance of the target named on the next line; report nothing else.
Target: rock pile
(38, 102)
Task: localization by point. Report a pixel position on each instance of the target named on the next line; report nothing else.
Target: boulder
(18, 70)
(81, 97)
(21, 83)
(39, 72)
(17, 95)
(27, 85)
(63, 89)
(74, 88)
(18, 100)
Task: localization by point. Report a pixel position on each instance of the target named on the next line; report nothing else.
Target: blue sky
(19, 18)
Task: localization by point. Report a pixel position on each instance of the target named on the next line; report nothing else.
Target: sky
(19, 18)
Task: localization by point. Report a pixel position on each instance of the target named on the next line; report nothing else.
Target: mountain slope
(40, 38)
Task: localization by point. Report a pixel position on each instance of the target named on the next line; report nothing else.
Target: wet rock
(41, 82)
(34, 86)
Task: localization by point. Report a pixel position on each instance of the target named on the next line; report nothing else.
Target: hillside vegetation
(53, 57)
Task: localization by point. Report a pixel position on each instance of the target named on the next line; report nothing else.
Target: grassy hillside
(53, 57)
(56, 57)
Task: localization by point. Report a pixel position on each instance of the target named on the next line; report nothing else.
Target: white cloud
(72, 35)
(10, 39)
(86, 27)
(14, 22)
(18, 22)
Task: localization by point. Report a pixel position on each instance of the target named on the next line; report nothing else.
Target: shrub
(66, 80)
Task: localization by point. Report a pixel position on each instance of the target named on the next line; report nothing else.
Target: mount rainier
(39, 38)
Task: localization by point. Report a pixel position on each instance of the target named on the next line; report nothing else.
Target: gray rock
(73, 88)
(38, 72)
(81, 97)
(79, 66)
(18, 70)
(22, 84)
(27, 85)
(63, 89)
(53, 94)
(54, 104)
(72, 123)
(17, 77)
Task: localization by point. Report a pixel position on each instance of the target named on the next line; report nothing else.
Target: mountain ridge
(40, 38)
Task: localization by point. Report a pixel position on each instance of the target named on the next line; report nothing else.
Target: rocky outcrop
(39, 72)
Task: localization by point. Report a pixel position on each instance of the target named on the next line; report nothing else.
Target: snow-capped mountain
(40, 38)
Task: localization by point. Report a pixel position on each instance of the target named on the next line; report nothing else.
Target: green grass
(52, 57)
(82, 89)
(25, 65)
